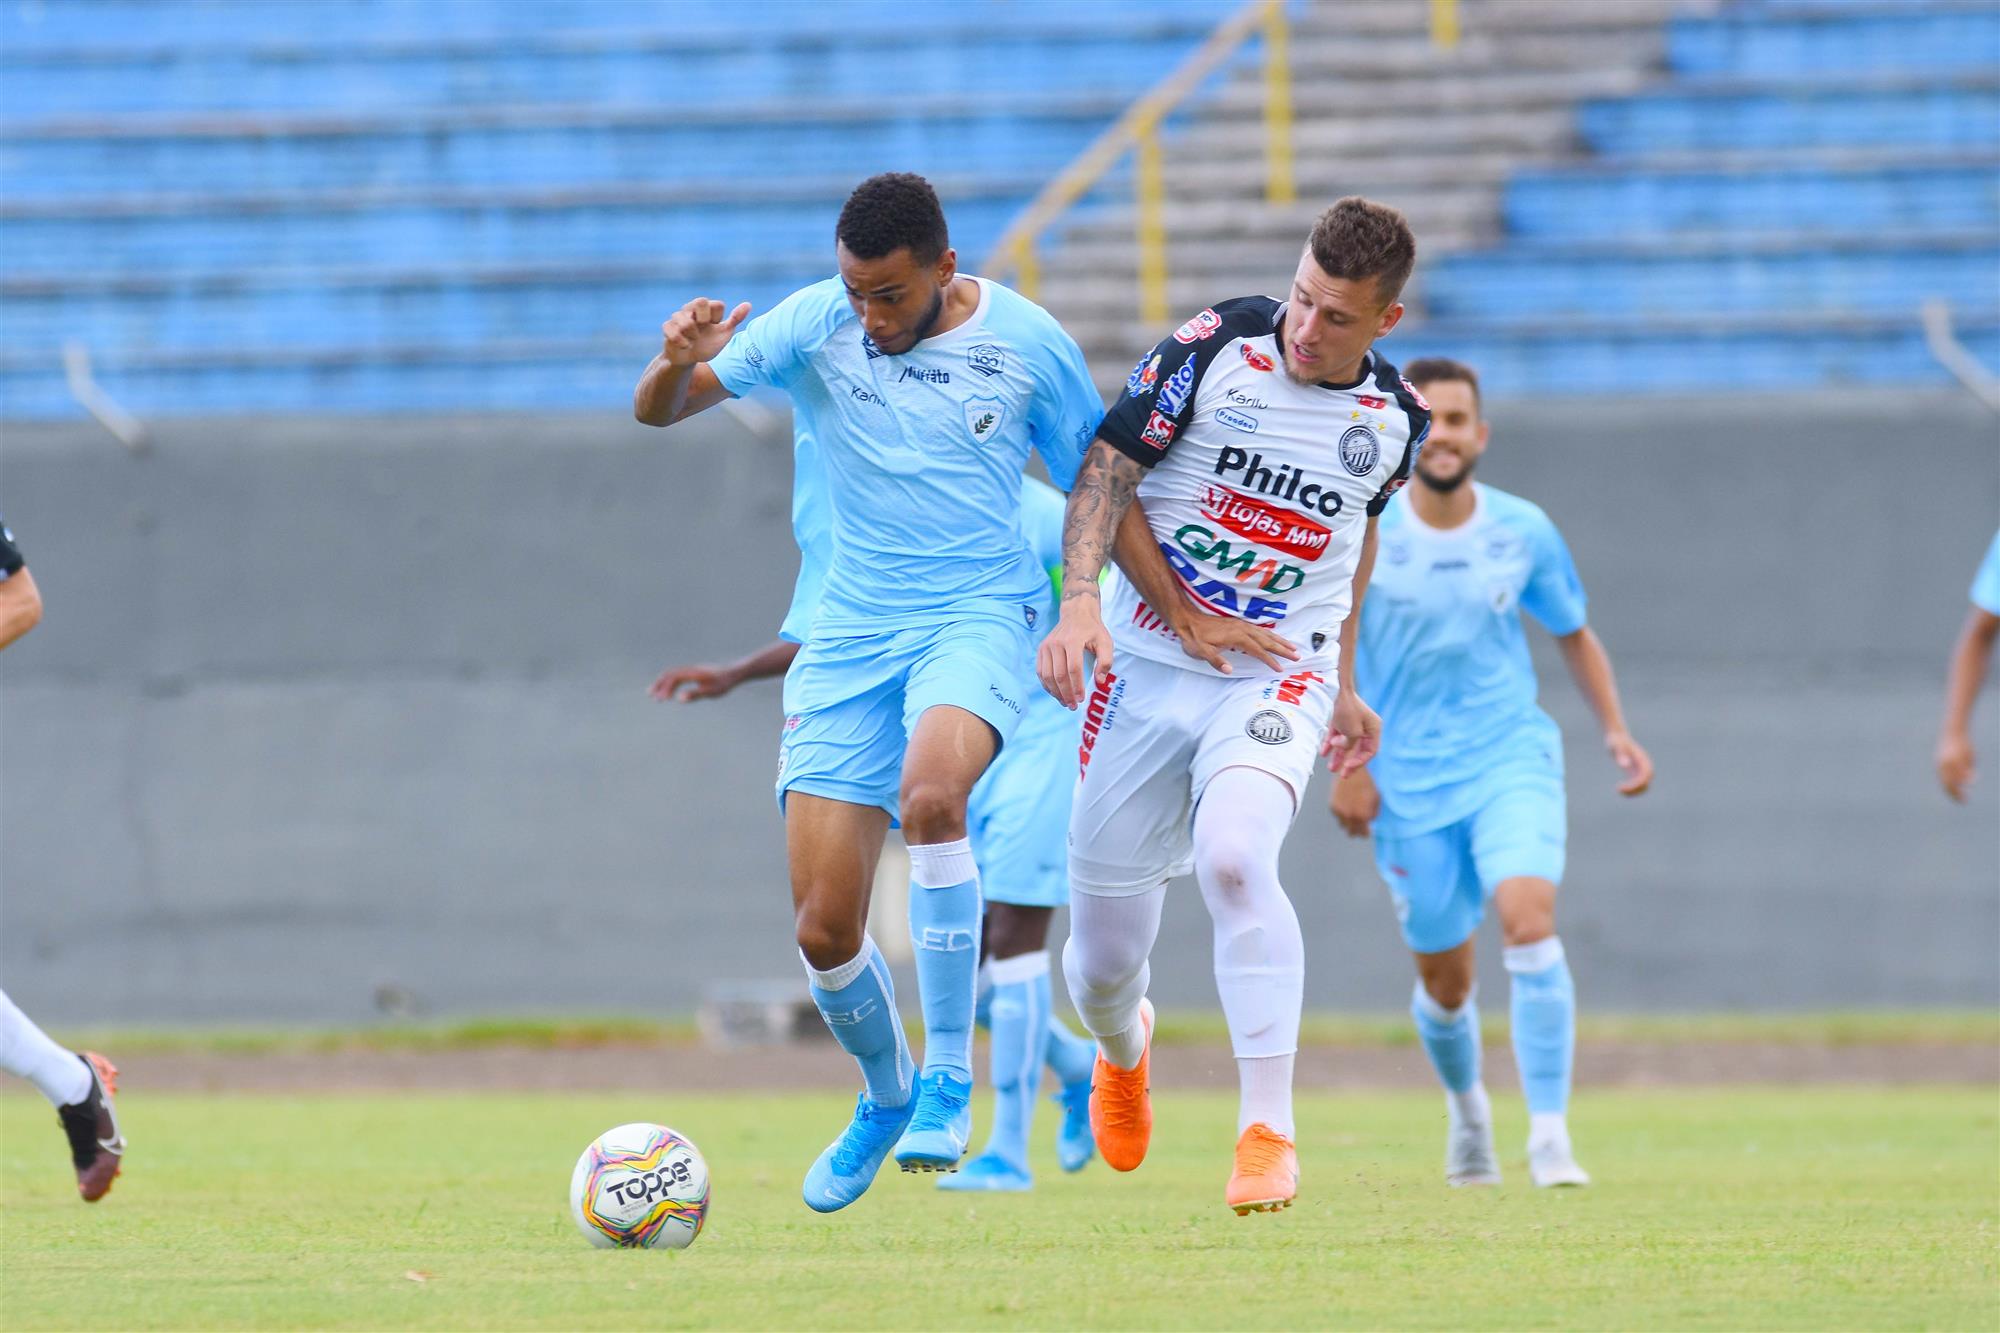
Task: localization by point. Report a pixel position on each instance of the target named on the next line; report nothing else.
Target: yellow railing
(1138, 131)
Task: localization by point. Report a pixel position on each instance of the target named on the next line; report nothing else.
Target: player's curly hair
(1358, 238)
(1441, 370)
(894, 211)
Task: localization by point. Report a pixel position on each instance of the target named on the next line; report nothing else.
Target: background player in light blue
(1020, 837)
(924, 390)
(1969, 660)
(1018, 818)
(1466, 797)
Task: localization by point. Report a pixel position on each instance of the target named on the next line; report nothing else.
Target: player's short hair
(894, 211)
(1358, 238)
(1434, 369)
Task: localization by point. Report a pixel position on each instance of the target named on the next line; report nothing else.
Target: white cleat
(1469, 1158)
(1553, 1165)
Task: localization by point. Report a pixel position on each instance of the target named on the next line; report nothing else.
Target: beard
(1446, 485)
(930, 318)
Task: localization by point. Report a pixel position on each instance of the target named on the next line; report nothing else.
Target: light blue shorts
(852, 703)
(1440, 880)
(1019, 813)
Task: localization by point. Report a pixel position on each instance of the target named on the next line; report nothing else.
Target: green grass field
(1818, 1208)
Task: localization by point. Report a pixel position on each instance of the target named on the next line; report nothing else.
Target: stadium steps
(1764, 41)
(194, 233)
(1959, 109)
(1750, 193)
(1786, 272)
(551, 146)
(639, 70)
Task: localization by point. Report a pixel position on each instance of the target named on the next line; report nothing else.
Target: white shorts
(1153, 736)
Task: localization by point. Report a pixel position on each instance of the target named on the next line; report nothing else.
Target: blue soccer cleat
(1074, 1144)
(991, 1173)
(940, 1127)
(847, 1168)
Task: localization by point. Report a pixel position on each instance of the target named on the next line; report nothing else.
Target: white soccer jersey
(1258, 488)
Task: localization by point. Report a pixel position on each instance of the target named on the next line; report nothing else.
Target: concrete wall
(323, 707)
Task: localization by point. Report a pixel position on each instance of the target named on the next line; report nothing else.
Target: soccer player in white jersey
(78, 1084)
(1466, 798)
(1017, 818)
(924, 389)
(1260, 439)
(1969, 660)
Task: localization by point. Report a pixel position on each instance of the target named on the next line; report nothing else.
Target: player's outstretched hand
(1955, 766)
(1079, 635)
(1355, 802)
(1206, 637)
(698, 331)
(1354, 737)
(1632, 761)
(686, 683)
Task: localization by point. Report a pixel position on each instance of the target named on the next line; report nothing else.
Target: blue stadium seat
(1603, 202)
(1785, 273)
(1931, 113)
(1884, 38)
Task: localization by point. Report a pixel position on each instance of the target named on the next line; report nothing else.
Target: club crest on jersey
(1143, 377)
(983, 417)
(1360, 451)
(1201, 326)
(1256, 360)
(1268, 726)
(986, 358)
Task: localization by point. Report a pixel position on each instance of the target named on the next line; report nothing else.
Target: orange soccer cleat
(1121, 1104)
(1267, 1172)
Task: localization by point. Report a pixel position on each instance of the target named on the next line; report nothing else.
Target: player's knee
(826, 942)
(1229, 867)
(1101, 968)
(1527, 919)
(932, 812)
(1450, 989)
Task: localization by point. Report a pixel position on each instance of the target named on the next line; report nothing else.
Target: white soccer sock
(1105, 965)
(1265, 1082)
(1471, 1107)
(1548, 1127)
(26, 1050)
(1260, 959)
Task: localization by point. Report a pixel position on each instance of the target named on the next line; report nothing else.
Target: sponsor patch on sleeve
(1201, 326)
(1160, 430)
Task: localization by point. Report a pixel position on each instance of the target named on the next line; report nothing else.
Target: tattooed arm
(1105, 485)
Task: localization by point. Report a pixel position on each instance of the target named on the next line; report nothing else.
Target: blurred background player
(1466, 800)
(924, 390)
(1018, 820)
(1260, 439)
(78, 1083)
(1956, 762)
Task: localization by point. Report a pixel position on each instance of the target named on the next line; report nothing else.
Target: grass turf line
(1732, 1209)
(1828, 1027)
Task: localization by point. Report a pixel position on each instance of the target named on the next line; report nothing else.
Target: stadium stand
(388, 205)
(1653, 195)
(395, 205)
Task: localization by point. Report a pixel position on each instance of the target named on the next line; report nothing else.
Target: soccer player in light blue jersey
(1466, 797)
(1018, 819)
(924, 390)
(1969, 660)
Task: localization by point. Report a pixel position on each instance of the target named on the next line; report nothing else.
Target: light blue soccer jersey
(812, 531)
(923, 452)
(1986, 583)
(1443, 656)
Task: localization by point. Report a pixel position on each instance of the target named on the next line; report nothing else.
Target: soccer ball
(640, 1186)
